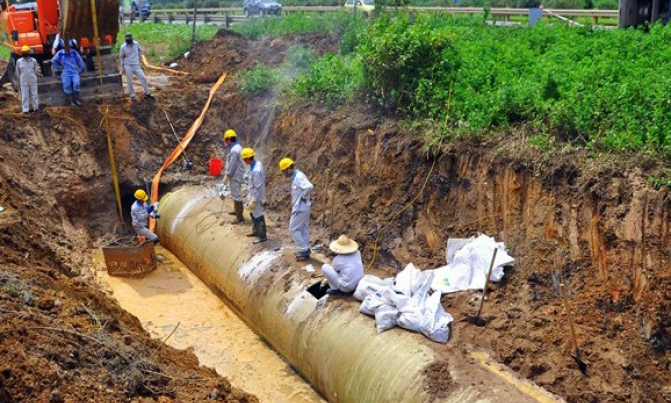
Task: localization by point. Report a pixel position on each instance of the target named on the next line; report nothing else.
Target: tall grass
(293, 23)
(161, 42)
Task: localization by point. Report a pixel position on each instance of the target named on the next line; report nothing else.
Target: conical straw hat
(343, 245)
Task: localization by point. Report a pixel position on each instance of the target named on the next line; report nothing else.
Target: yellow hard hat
(246, 153)
(230, 134)
(25, 49)
(141, 195)
(285, 163)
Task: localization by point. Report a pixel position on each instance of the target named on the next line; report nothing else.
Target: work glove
(226, 180)
(252, 204)
(154, 216)
(155, 206)
(325, 283)
(149, 209)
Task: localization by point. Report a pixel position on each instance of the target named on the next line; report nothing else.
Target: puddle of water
(172, 295)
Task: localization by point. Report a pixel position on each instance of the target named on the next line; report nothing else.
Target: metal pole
(193, 32)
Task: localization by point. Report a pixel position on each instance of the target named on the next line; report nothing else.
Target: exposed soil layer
(565, 215)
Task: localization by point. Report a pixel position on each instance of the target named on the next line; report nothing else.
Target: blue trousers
(70, 82)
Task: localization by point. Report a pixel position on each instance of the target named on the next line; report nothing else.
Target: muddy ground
(592, 222)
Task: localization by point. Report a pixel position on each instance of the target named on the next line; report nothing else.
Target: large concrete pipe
(331, 344)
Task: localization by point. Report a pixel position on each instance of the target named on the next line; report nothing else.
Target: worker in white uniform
(299, 223)
(344, 274)
(140, 213)
(256, 194)
(235, 173)
(130, 54)
(26, 71)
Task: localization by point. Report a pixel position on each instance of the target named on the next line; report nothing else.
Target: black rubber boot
(69, 100)
(238, 212)
(255, 226)
(261, 229)
(76, 98)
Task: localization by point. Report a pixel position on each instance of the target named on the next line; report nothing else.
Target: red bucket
(215, 166)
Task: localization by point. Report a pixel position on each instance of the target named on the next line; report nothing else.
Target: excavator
(36, 25)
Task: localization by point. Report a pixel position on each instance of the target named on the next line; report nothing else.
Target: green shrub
(256, 81)
(299, 57)
(333, 79)
(409, 64)
(291, 23)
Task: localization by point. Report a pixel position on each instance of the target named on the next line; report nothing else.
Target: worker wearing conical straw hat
(344, 274)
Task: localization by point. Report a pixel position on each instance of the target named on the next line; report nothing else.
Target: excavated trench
(327, 341)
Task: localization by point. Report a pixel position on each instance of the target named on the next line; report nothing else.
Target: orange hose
(151, 66)
(182, 146)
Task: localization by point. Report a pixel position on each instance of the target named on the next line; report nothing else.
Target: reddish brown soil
(594, 221)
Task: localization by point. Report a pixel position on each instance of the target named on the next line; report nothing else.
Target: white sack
(372, 302)
(436, 323)
(385, 317)
(370, 285)
(469, 268)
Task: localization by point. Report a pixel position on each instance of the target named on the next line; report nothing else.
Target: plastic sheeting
(468, 269)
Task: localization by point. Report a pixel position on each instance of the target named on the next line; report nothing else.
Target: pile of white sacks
(406, 300)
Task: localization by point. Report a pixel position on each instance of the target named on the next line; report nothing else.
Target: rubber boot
(255, 226)
(76, 98)
(261, 229)
(238, 212)
(69, 100)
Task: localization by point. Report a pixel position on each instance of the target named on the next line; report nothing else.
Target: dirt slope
(598, 219)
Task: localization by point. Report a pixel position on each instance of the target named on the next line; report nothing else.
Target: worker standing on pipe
(26, 71)
(71, 64)
(130, 54)
(235, 172)
(344, 274)
(256, 194)
(140, 213)
(299, 224)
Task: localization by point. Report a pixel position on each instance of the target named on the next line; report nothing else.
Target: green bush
(409, 63)
(299, 57)
(256, 81)
(333, 79)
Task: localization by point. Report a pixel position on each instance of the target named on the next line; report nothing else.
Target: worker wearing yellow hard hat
(140, 213)
(26, 68)
(256, 194)
(299, 223)
(235, 172)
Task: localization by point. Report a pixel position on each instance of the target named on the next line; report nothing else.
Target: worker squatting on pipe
(344, 274)
(299, 224)
(26, 71)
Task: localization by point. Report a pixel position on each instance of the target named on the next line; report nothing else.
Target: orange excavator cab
(36, 25)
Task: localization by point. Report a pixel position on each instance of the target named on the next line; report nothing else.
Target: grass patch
(333, 79)
(162, 42)
(293, 23)
(256, 81)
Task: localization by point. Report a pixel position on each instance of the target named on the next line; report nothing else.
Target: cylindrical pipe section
(330, 343)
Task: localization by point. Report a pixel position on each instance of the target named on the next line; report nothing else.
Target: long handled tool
(477, 319)
(578, 359)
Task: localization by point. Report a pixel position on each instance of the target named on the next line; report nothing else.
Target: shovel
(477, 320)
(582, 365)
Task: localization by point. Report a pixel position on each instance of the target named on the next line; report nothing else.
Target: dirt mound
(61, 338)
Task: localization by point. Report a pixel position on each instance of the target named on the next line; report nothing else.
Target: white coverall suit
(130, 60)
(299, 224)
(256, 189)
(26, 71)
(139, 213)
(235, 171)
(345, 272)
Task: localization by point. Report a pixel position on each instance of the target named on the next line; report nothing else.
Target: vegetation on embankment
(601, 89)
(163, 42)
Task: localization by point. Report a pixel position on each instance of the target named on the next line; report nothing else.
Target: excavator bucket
(78, 19)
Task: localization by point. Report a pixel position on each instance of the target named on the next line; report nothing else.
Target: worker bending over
(235, 172)
(140, 213)
(130, 54)
(256, 194)
(26, 71)
(299, 223)
(71, 64)
(344, 274)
